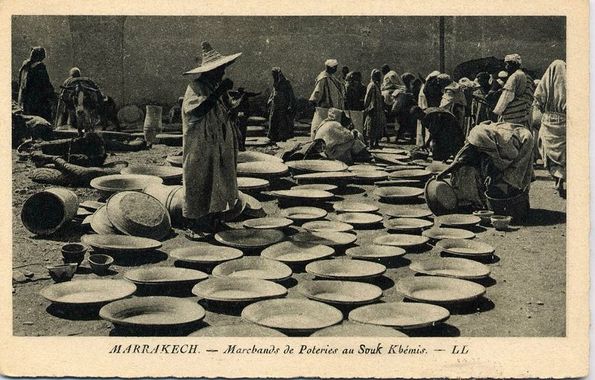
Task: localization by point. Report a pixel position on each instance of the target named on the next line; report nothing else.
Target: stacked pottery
(171, 197)
(174, 205)
(153, 124)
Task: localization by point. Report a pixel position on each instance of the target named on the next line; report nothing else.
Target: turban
(513, 58)
(331, 63)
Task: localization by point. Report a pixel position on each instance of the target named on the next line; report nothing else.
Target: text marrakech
(155, 349)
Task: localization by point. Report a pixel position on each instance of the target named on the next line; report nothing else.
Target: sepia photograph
(281, 177)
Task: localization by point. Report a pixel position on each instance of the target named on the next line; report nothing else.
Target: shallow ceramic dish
(363, 167)
(156, 311)
(332, 239)
(168, 174)
(369, 176)
(357, 329)
(407, 212)
(303, 194)
(407, 225)
(394, 168)
(238, 289)
(253, 206)
(170, 276)
(391, 158)
(401, 315)
(261, 169)
(249, 183)
(400, 182)
(316, 166)
(257, 141)
(401, 240)
(251, 156)
(233, 212)
(101, 224)
(138, 214)
(327, 225)
(316, 186)
(466, 248)
(241, 330)
(440, 197)
(255, 130)
(485, 216)
(292, 315)
(82, 213)
(176, 161)
(110, 184)
(345, 269)
(437, 167)
(257, 119)
(303, 213)
(390, 151)
(458, 220)
(359, 219)
(374, 252)
(120, 243)
(204, 253)
(324, 177)
(398, 192)
(249, 238)
(354, 206)
(417, 174)
(440, 290)
(91, 205)
(268, 222)
(88, 292)
(451, 267)
(292, 252)
(253, 267)
(439, 233)
(340, 292)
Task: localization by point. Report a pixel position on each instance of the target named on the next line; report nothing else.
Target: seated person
(341, 143)
(25, 127)
(88, 150)
(497, 158)
(55, 170)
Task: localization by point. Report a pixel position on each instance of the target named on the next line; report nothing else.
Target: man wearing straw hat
(210, 144)
(329, 92)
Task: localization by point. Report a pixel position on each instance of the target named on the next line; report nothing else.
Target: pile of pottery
(250, 268)
(256, 126)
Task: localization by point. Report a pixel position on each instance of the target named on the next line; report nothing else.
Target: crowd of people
(488, 126)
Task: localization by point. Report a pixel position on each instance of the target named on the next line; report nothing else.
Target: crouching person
(496, 162)
(342, 142)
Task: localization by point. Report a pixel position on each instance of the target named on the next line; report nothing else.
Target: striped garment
(518, 110)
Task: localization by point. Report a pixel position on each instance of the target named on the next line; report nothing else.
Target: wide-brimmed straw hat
(211, 59)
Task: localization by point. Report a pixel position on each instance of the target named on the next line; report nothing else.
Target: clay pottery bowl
(62, 272)
(73, 253)
(100, 263)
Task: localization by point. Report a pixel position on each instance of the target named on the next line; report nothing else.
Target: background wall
(140, 59)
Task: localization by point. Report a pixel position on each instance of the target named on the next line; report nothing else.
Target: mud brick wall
(140, 59)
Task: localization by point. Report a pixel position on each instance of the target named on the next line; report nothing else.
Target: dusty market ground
(525, 293)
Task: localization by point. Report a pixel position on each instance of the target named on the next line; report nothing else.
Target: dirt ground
(525, 292)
